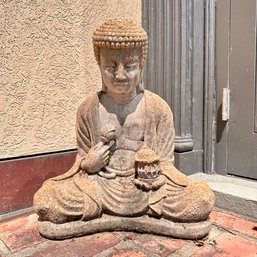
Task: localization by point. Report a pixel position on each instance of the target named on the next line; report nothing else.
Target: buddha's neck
(122, 98)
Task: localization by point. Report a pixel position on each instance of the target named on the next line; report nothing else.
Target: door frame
(210, 92)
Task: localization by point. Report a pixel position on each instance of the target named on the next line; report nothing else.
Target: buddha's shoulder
(156, 100)
(89, 103)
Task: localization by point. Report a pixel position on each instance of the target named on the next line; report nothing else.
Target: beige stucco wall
(47, 68)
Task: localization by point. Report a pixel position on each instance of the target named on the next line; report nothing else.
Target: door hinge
(225, 104)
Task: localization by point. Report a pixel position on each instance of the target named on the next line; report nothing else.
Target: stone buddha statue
(123, 177)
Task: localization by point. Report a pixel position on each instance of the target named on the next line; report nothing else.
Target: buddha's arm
(165, 133)
(87, 124)
(95, 154)
(83, 137)
(166, 144)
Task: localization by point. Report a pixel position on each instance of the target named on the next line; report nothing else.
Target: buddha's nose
(120, 73)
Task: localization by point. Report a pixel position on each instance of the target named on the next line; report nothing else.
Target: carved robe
(77, 195)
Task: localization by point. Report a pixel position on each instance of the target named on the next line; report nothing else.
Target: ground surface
(230, 236)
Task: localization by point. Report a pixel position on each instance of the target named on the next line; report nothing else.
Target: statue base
(142, 224)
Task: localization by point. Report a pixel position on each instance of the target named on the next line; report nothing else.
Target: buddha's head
(120, 48)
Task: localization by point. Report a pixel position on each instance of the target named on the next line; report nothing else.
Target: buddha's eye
(131, 66)
(111, 66)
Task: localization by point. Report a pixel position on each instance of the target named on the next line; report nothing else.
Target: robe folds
(77, 195)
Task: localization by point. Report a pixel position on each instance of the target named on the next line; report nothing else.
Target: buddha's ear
(140, 87)
(104, 89)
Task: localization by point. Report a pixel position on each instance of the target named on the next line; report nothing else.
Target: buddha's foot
(142, 224)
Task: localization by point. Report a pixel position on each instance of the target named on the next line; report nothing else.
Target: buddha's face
(120, 69)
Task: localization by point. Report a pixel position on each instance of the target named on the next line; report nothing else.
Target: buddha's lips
(120, 84)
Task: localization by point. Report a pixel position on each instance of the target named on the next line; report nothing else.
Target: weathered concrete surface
(233, 194)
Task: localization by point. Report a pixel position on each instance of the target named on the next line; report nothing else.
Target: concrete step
(233, 194)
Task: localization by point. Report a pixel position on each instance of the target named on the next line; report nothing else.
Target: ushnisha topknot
(120, 33)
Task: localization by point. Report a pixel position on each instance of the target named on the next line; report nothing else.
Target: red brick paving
(86, 246)
(22, 239)
(13, 224)
(230, 221)
(228, 245)
(161, 245)
(171, 243)
(129, 252)
(125, 235)
(21, 234)
(153, 246)
(206, 251)
(235, 246)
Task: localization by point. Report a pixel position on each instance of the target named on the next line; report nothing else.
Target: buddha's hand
(96, 159)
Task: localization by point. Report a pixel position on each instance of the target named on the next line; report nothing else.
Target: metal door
(240, 132)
